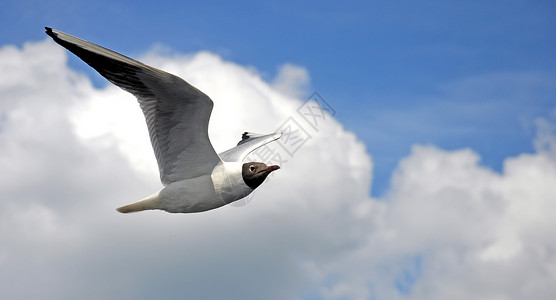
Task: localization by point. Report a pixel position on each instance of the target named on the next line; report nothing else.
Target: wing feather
(177, 114)
(249, 143)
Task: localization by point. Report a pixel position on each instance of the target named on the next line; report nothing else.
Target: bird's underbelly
(197, 195)
(190, 195)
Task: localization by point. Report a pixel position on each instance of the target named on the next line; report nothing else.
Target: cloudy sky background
(436, 178)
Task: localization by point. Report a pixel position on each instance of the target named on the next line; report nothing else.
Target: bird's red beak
(272, 168)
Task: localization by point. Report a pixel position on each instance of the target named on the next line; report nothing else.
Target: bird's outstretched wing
(249, 143)
(177, 113)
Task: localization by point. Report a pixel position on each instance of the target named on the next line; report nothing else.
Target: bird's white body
(223, 186)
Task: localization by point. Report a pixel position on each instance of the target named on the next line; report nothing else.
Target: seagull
(194, 176)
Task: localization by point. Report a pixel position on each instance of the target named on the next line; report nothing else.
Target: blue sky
(398, 73)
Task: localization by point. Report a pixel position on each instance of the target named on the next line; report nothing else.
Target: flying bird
(194, 176)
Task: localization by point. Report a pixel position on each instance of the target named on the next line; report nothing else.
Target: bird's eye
(252, 168)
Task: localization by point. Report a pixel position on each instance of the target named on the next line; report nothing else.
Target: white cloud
(292, 80)
(448, 228)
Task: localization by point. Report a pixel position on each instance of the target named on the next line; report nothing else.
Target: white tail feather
(151, 202)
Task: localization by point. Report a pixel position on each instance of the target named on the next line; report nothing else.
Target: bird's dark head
(254, 173)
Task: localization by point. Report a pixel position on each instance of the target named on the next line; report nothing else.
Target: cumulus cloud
(448, 228)
(292, 80)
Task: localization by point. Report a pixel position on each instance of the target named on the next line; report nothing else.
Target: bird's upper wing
(177, 113)
(249, 143)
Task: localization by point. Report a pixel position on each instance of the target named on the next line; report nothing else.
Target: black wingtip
(48, 31)
(244, 137)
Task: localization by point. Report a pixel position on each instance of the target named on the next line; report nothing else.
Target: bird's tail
(151, 202)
